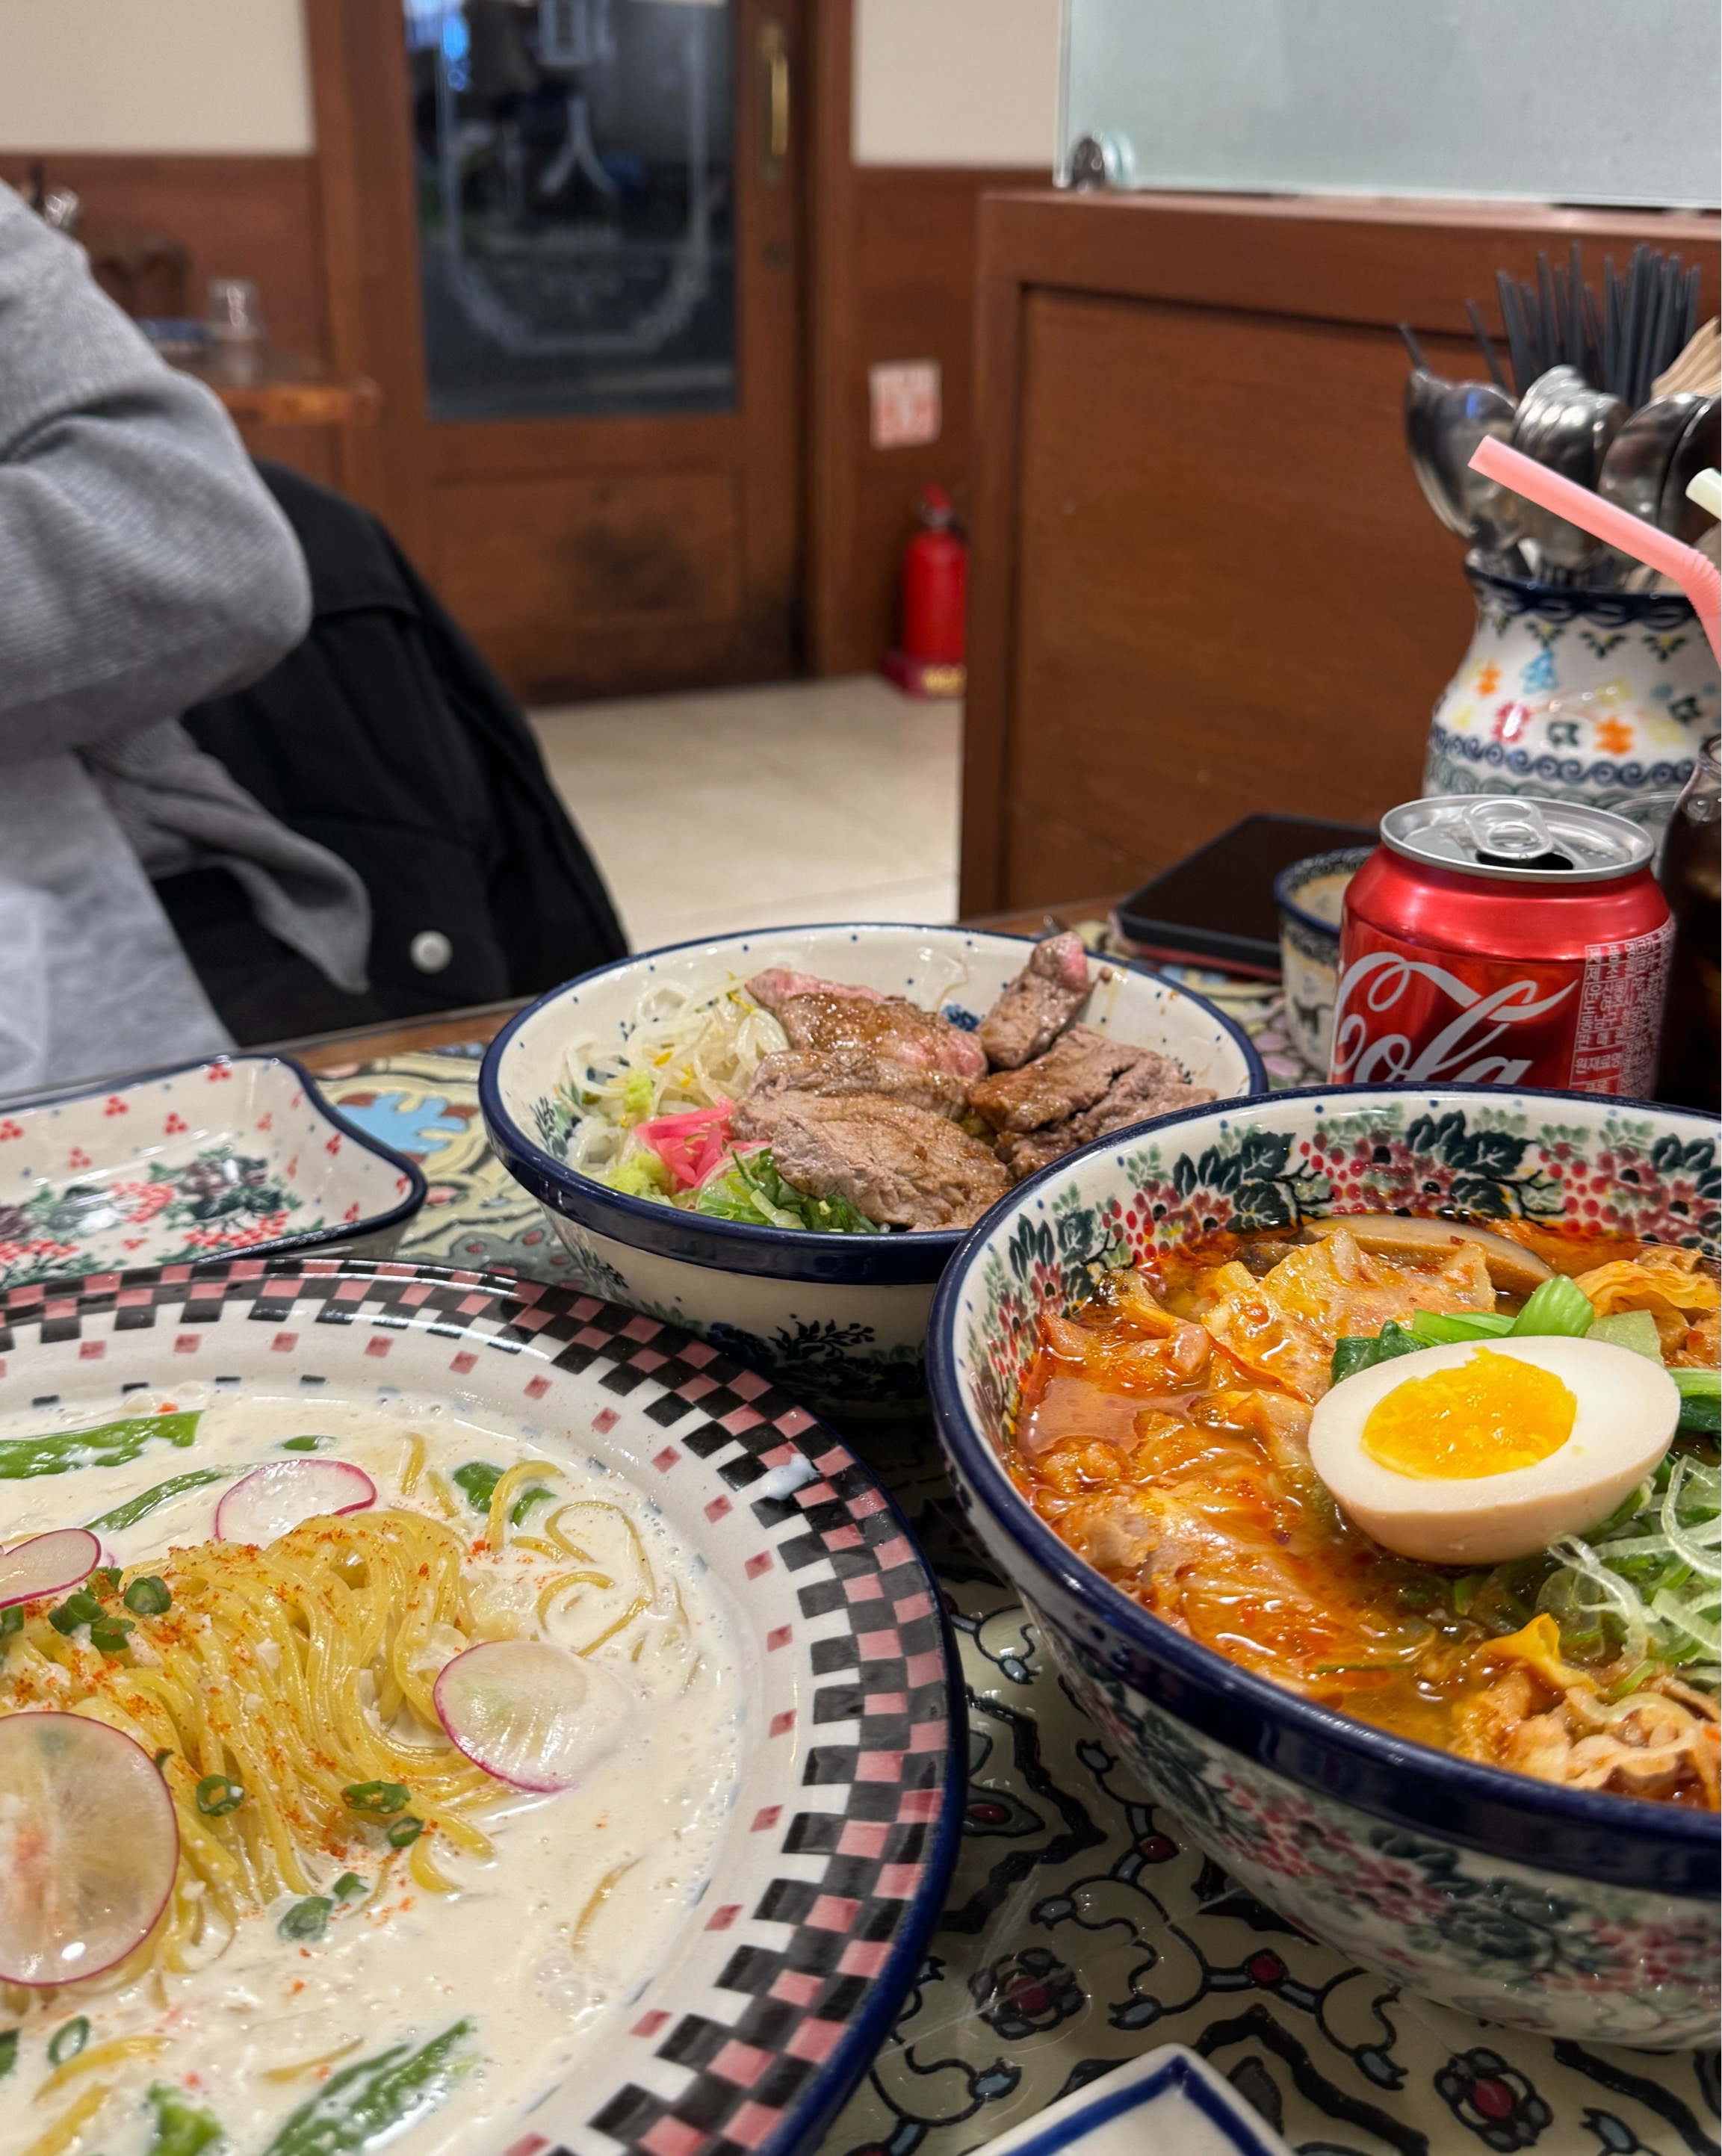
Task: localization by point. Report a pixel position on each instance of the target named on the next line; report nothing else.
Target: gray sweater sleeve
(143, 565)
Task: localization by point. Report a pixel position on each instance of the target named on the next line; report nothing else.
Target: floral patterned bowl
(234, 1157)
(1573, 1914)
(838, 1319)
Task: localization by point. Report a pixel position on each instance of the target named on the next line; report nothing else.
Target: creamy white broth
(528, 1946)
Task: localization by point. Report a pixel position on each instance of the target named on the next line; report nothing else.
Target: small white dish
(236, 1157)
(1168, 2103)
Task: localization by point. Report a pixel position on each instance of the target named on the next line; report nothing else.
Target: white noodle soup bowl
(839, 1320)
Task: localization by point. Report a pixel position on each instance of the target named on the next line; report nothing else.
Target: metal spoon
(1700, 449)
(1569, 427)
(1444, 421)
(1635, 472)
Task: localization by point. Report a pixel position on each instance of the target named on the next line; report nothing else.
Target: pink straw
(1645, 543)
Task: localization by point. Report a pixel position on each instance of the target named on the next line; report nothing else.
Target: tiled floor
(761, 808)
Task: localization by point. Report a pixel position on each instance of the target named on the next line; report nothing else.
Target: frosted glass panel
(1539, 100)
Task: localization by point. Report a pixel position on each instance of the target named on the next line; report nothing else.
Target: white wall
(139, 75)
(956, 82)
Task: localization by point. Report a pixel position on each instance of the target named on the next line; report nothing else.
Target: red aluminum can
(1498, 940)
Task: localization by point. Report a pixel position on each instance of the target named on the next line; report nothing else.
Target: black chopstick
(1407, 337)
(1485, 346)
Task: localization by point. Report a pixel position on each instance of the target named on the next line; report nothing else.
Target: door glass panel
(574, 162)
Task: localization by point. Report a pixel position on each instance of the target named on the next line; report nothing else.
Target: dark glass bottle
(1691, 878)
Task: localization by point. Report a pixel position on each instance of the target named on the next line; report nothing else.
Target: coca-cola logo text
(1375, 983)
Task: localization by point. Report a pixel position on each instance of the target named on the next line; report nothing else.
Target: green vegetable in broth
(375, 2097)
(1632, 1329)
(135, 1508)
(479, 1479)
(1560, 1307)
(109, 1444)
(9, 2051)
(180, 2128)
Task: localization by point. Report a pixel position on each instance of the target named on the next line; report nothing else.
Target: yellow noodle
(600, 1505)
(509, 1486)
(310, 2066)
(600, 1895)
(70, 2124)
(553, 1588)
(252, 1674)
(444, 1496)
(423, 1867)
(637, 1608)
(561, 1541)
(415, 1463)
(113, 2053)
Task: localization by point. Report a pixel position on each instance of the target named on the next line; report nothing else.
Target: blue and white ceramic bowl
(1573, 1914)
(839, 1320)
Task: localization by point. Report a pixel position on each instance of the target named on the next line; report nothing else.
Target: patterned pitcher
(1596, 696)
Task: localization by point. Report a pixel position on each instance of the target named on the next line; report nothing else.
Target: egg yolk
(1483, 1417)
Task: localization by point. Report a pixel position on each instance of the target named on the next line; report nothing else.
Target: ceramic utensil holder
(1575, 695)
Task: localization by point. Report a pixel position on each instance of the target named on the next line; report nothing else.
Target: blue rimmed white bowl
(239, 1155)
(790, 1959)
(1573, 1914)
(839, 1320)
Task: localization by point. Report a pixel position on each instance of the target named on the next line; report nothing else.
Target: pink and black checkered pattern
(830, 1953)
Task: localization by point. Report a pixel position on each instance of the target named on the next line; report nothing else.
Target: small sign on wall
(904, 404)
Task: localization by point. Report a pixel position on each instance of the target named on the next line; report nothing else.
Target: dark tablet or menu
(1215, 907)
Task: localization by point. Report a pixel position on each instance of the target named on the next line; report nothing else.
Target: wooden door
(578, 289)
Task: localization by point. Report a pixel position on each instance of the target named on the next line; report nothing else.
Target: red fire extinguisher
(929, 661)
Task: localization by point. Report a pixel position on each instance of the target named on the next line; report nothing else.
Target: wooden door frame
(1370, 263)
(369, 249)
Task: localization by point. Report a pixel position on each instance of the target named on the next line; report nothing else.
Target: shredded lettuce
(749, 1188)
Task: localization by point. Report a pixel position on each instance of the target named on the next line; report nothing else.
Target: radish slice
(88, 1846)
(530, 1713)
(271, 1500)
(47, 1564)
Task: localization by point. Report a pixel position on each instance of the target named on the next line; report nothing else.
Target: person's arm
(143, 565)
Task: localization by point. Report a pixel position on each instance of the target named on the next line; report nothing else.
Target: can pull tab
(1513, 835)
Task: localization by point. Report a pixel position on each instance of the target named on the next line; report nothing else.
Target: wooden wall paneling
(256, 216)
(893, 277)
(1204, 580)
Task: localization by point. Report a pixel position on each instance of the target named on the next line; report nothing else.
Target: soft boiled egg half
(1472, 1454)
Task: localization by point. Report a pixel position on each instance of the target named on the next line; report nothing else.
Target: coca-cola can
(1499, 941)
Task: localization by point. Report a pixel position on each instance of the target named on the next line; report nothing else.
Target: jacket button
(430, 951)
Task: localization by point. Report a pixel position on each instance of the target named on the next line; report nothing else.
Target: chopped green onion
(380, 1799)
(68, 2041)
(1634, 1330)
(308, 1919)
(59, 1452)
(180, 2129)
(149, 1597)
(166, 1752)
(405, 1831)
(9, 2050)
(305, 1443)
(11, 1619)
(108, 1634)
(79, 1609)
(1559, 1307)
(1449, 1328)
(348, 1887)
(105, 1580)
(217, 1796)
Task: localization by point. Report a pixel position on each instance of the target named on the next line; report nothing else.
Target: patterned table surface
(1079, 1931)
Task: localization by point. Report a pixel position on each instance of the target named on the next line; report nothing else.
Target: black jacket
(385, 737)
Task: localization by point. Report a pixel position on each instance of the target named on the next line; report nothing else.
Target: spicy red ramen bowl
(1567, 1909)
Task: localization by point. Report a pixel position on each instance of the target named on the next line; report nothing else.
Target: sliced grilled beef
(1034, 1010)
(1149, 1087)
(889, 1027)
(897, 1164)
(1071, 1075)
(841, 1072)
(775, 987)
